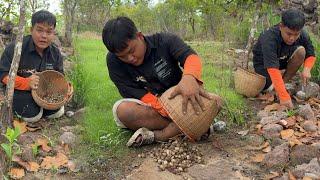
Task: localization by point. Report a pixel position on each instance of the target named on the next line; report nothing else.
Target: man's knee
(300, 54)
(34, 118)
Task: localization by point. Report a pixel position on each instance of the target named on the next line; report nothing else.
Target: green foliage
(291, 112)
(316, 69)
(11, 148)
(95, 90)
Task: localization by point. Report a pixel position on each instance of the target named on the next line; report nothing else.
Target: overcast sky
(54, 6)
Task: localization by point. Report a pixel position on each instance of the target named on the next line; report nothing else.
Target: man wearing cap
(142, 68)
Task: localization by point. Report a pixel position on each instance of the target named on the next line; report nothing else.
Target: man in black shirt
(142, 68)
(37, 54)
(285, 46)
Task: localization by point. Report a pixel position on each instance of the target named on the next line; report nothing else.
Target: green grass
(217, 76)
(95, 91)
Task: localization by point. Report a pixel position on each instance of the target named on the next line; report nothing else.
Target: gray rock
(27, 155)
(269, 120)
(303, 153)
(271, 130)
(277, 142)
(317, 145)
(255, 140)
(310, 126)
(68, 138)
(219, 169)
(261, 114)
(279, 156)
(69, 114)
(219, 126)
(306, 112)
(291, 88)
(313, 168)
(312, 90)
(301, 95)
(280, 114)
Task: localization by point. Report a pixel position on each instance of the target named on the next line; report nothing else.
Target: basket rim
(250, 72)
(39, 100)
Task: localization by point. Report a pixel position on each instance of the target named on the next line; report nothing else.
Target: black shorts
(283, 63)
(25, 106)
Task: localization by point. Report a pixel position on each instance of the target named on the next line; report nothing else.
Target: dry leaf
(266, 97)
(300, 128)
(43, 142)
(272, 175)
(259, 129)
(267, 149)
(291, 176)
(54, 162)
(29, 166)
(72, 166)
(286, 134)
(291, 121)
(32, 129)
(294, 141)
(307, 178)
(299, 134)
(266, 144)
(243, 133)
(258, 158)
(272, 107)
(21, 125)
(33, 167)
(16, 173)
(299, 119)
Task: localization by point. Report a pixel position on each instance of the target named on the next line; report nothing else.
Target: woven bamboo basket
(192, 125)
(248, 83)
(52, 92)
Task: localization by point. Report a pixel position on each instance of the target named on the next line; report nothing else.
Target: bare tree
(69, 7)
(253, 30)
(6, 107)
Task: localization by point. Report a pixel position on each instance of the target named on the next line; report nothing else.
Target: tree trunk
(253, 30)
(6, 106)
(69, 11)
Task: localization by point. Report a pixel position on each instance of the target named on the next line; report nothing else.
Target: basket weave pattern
(248, 83)
(192, 125)
(51, 83)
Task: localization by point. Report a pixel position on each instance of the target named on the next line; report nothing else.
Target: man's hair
(43, 16)
(117, 32)
(293, 18)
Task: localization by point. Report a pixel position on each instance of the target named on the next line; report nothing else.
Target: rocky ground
(275, 144)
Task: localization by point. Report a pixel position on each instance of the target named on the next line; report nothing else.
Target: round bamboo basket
(248, 83)
(192, 125)
(52, 92)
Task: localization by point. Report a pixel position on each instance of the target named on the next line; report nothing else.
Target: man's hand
(34, 81)
(287, 103)
(189, 88)
(305, 75)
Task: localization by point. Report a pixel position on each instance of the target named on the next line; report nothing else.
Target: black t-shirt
(270, 49)
(161, 69)
(30, 59)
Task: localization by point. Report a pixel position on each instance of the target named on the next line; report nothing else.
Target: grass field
(97, 93)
